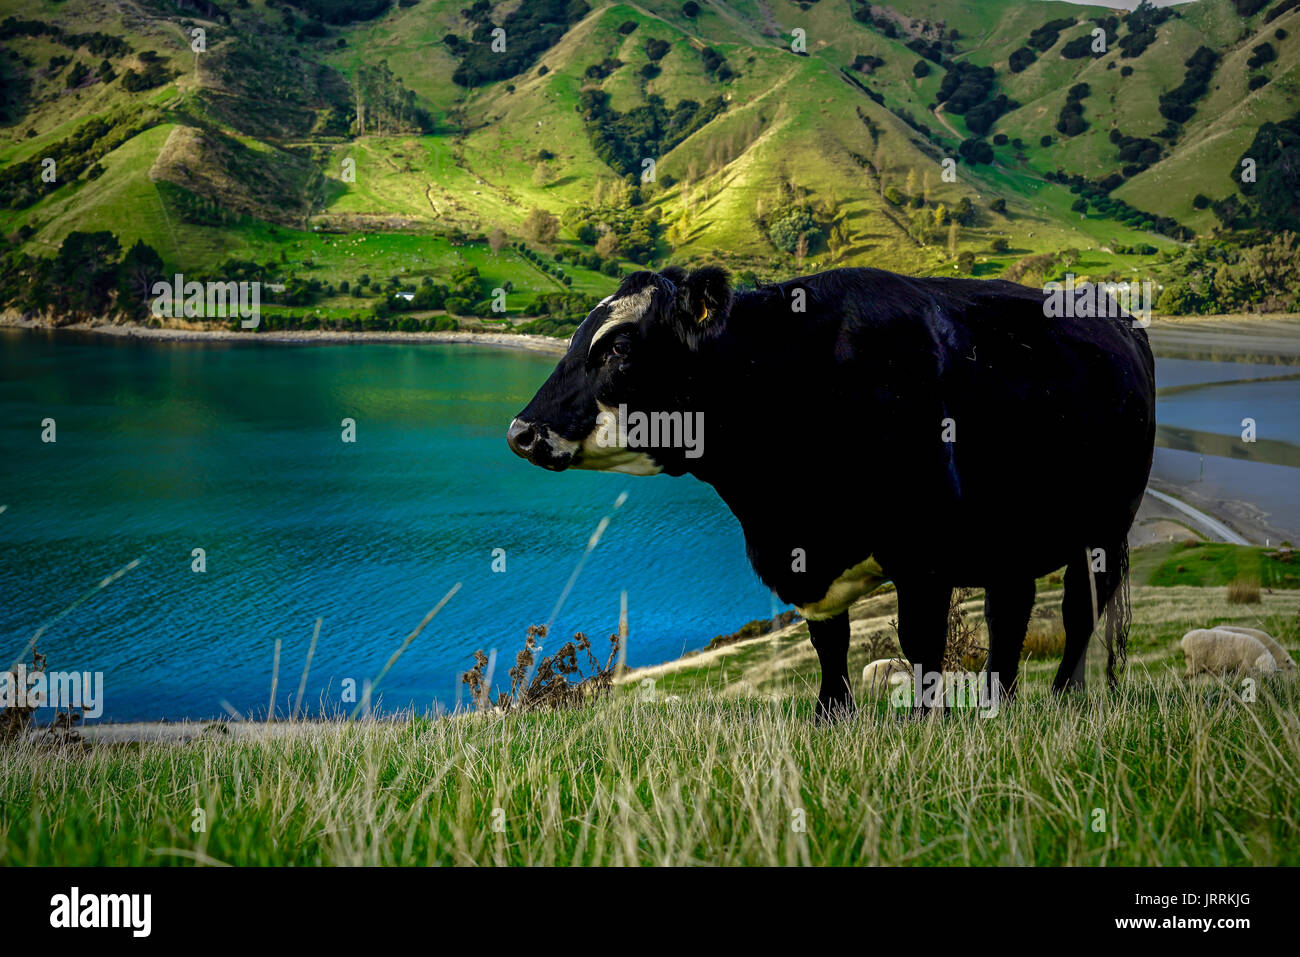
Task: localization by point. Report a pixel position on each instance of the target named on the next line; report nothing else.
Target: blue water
(1219, 410)
(236, 448)
(164, 447)
(1274, 406)
(1173, 372)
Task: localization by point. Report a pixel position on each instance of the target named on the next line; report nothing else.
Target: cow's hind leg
(1080, 613)
(1007, 607)
(830, 637)
(923, 630)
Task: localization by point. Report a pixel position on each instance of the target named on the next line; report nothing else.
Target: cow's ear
(702, 302)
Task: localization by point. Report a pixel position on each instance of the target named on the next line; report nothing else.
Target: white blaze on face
(628, 309)
(599, 450)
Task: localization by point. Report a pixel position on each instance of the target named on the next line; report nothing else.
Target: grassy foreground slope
(715, 759)
(1159, 773)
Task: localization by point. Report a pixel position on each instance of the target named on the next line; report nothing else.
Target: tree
(1277, 192)
(920, 69)
(607, 246)
(791, 224)
(85, 269)
(141, 267)
(541, 226)
(497, 240)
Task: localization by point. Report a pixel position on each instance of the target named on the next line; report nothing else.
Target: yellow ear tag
(703, 316)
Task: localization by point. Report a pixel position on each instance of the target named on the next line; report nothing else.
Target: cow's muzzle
(540, 445)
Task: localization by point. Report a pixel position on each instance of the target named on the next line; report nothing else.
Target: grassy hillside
(1176, 586)
(828, 123)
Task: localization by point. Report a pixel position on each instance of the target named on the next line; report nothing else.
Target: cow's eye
(619, 349)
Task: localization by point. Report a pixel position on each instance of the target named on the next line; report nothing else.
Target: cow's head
(634, 351)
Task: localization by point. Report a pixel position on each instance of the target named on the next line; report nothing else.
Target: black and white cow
(864, 425)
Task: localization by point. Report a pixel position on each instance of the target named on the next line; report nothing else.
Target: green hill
(930, 136)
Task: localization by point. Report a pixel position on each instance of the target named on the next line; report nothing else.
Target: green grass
(1210, 564)
(1183, 775)
(715, 759)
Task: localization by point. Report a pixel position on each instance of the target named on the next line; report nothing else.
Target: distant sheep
(882, 675)
(1219, 651)
(1284, 661)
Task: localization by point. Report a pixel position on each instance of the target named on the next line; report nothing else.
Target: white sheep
(1284, 661)
(886, 673)
(1219, 651)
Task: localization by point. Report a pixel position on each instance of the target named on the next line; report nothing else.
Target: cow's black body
(825, 433)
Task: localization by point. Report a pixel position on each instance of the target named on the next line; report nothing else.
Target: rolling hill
(312, 141)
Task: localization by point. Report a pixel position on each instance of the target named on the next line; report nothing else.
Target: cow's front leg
(830, 637)
(923, 633)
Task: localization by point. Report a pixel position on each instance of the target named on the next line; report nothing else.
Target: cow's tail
(1118, 615)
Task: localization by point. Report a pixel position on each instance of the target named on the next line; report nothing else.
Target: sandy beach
(197, 333)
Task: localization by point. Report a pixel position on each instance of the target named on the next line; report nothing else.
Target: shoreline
(1154, 512)
(1162, 518)
(521, 341)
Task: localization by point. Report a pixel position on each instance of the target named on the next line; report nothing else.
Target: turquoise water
(236, 448)
(164, 447)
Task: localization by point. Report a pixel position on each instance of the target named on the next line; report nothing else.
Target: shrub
(1021, 58)
(789, 226)
(541, 226)
(549, 686)
(1264, 53)
(1243, 592)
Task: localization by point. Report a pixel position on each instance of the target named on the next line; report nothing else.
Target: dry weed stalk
(551, 686)
(15, 720)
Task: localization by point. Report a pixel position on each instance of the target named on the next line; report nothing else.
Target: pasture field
(710, 763)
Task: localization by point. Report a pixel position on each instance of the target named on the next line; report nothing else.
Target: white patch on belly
(862, 579)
